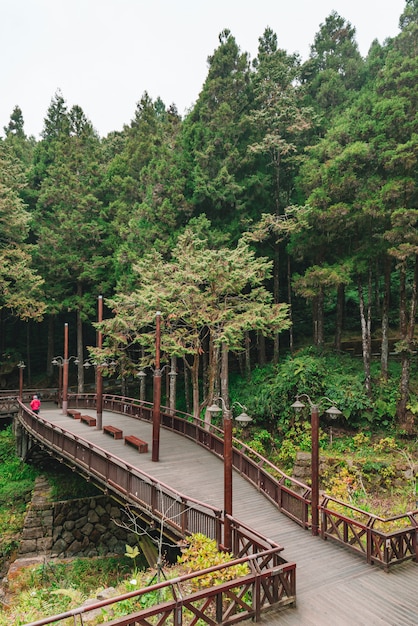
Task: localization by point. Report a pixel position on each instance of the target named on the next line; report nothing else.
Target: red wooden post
(227, 477)
(156, 409)
(65, 372)
(99, 376)
(315, 469)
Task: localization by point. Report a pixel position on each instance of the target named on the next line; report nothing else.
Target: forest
(276, 220)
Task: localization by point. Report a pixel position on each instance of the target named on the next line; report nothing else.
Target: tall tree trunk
(276, 286)
(384, 349)
(319, 317)
(195, 388)
(28, 351)
(194, 374)
(247, 367)
(314, 305)
(212, 372)
(213, 380)
(50, 347)
(340, 316)
(289, 301)
(261, 349)
(186, 386)
(80, 368)
(173, 384)
(206, 364)
(365, 337)
(407, 342)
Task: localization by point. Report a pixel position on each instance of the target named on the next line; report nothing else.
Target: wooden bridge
(334, 586)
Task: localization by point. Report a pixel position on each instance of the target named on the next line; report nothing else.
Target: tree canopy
(283, 203)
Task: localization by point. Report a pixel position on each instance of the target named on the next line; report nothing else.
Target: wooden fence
(270, 581)
(385, 541)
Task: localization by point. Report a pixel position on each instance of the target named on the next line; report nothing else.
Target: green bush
(270, 391)
(16, 480)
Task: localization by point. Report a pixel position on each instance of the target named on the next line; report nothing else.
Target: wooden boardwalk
(334, 586)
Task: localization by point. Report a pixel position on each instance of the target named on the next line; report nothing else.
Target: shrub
(202, 553)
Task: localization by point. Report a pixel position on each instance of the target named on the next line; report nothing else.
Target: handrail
(386, 547)
(136, 486)
(270, 579)
(259, 471)
(412, 516)
(290, 496)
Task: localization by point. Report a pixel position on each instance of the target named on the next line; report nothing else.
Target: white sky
(103, 54)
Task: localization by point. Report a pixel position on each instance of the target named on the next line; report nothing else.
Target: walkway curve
(334, 587)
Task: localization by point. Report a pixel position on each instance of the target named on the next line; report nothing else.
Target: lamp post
(227, 426)
(99, 376)
(64, 362)
(333, 411)
(156, 408)
(21, 367)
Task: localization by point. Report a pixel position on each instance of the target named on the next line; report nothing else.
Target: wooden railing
(385, 541)
(374, 538)
(187, 515)
(290, 495)
(270, 582)
(359, 531)
(9, 399)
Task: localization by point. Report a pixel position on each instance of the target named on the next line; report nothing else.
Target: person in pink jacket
(35, 404)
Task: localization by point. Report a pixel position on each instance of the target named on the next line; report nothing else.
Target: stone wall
(83, 527)
(302, 468)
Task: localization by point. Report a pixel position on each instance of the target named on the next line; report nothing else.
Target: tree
(144, 186)
(71, 226)
(20, 285)
(214, 139)
(16, 124)
(279, 124)
(333, 74)
(202, 291)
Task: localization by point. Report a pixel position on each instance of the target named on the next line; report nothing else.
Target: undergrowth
(57, 587)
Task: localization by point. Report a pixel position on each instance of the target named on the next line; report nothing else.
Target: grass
(59, 586)
(371, 472)
(16, 483)
(368, 470)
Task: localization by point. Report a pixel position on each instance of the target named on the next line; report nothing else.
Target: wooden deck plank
(334, 586)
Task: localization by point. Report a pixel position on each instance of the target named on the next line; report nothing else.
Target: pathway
(334, 586)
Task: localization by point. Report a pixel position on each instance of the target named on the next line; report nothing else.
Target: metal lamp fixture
(227, 427)
(21, 367)
(333, 412)
(63, 363)
(243, 418)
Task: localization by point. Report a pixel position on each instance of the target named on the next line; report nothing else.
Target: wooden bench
(88, 419)
(74, 413)
(137, 443)
(112, 430)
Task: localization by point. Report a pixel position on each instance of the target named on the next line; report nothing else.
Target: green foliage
(286, 454)
(271, 391)
(386, 444)
(261, 442)
(56, 587)
(66, 484)
(16, 484)
(385, 400)
(16, 478)
(202, 553)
